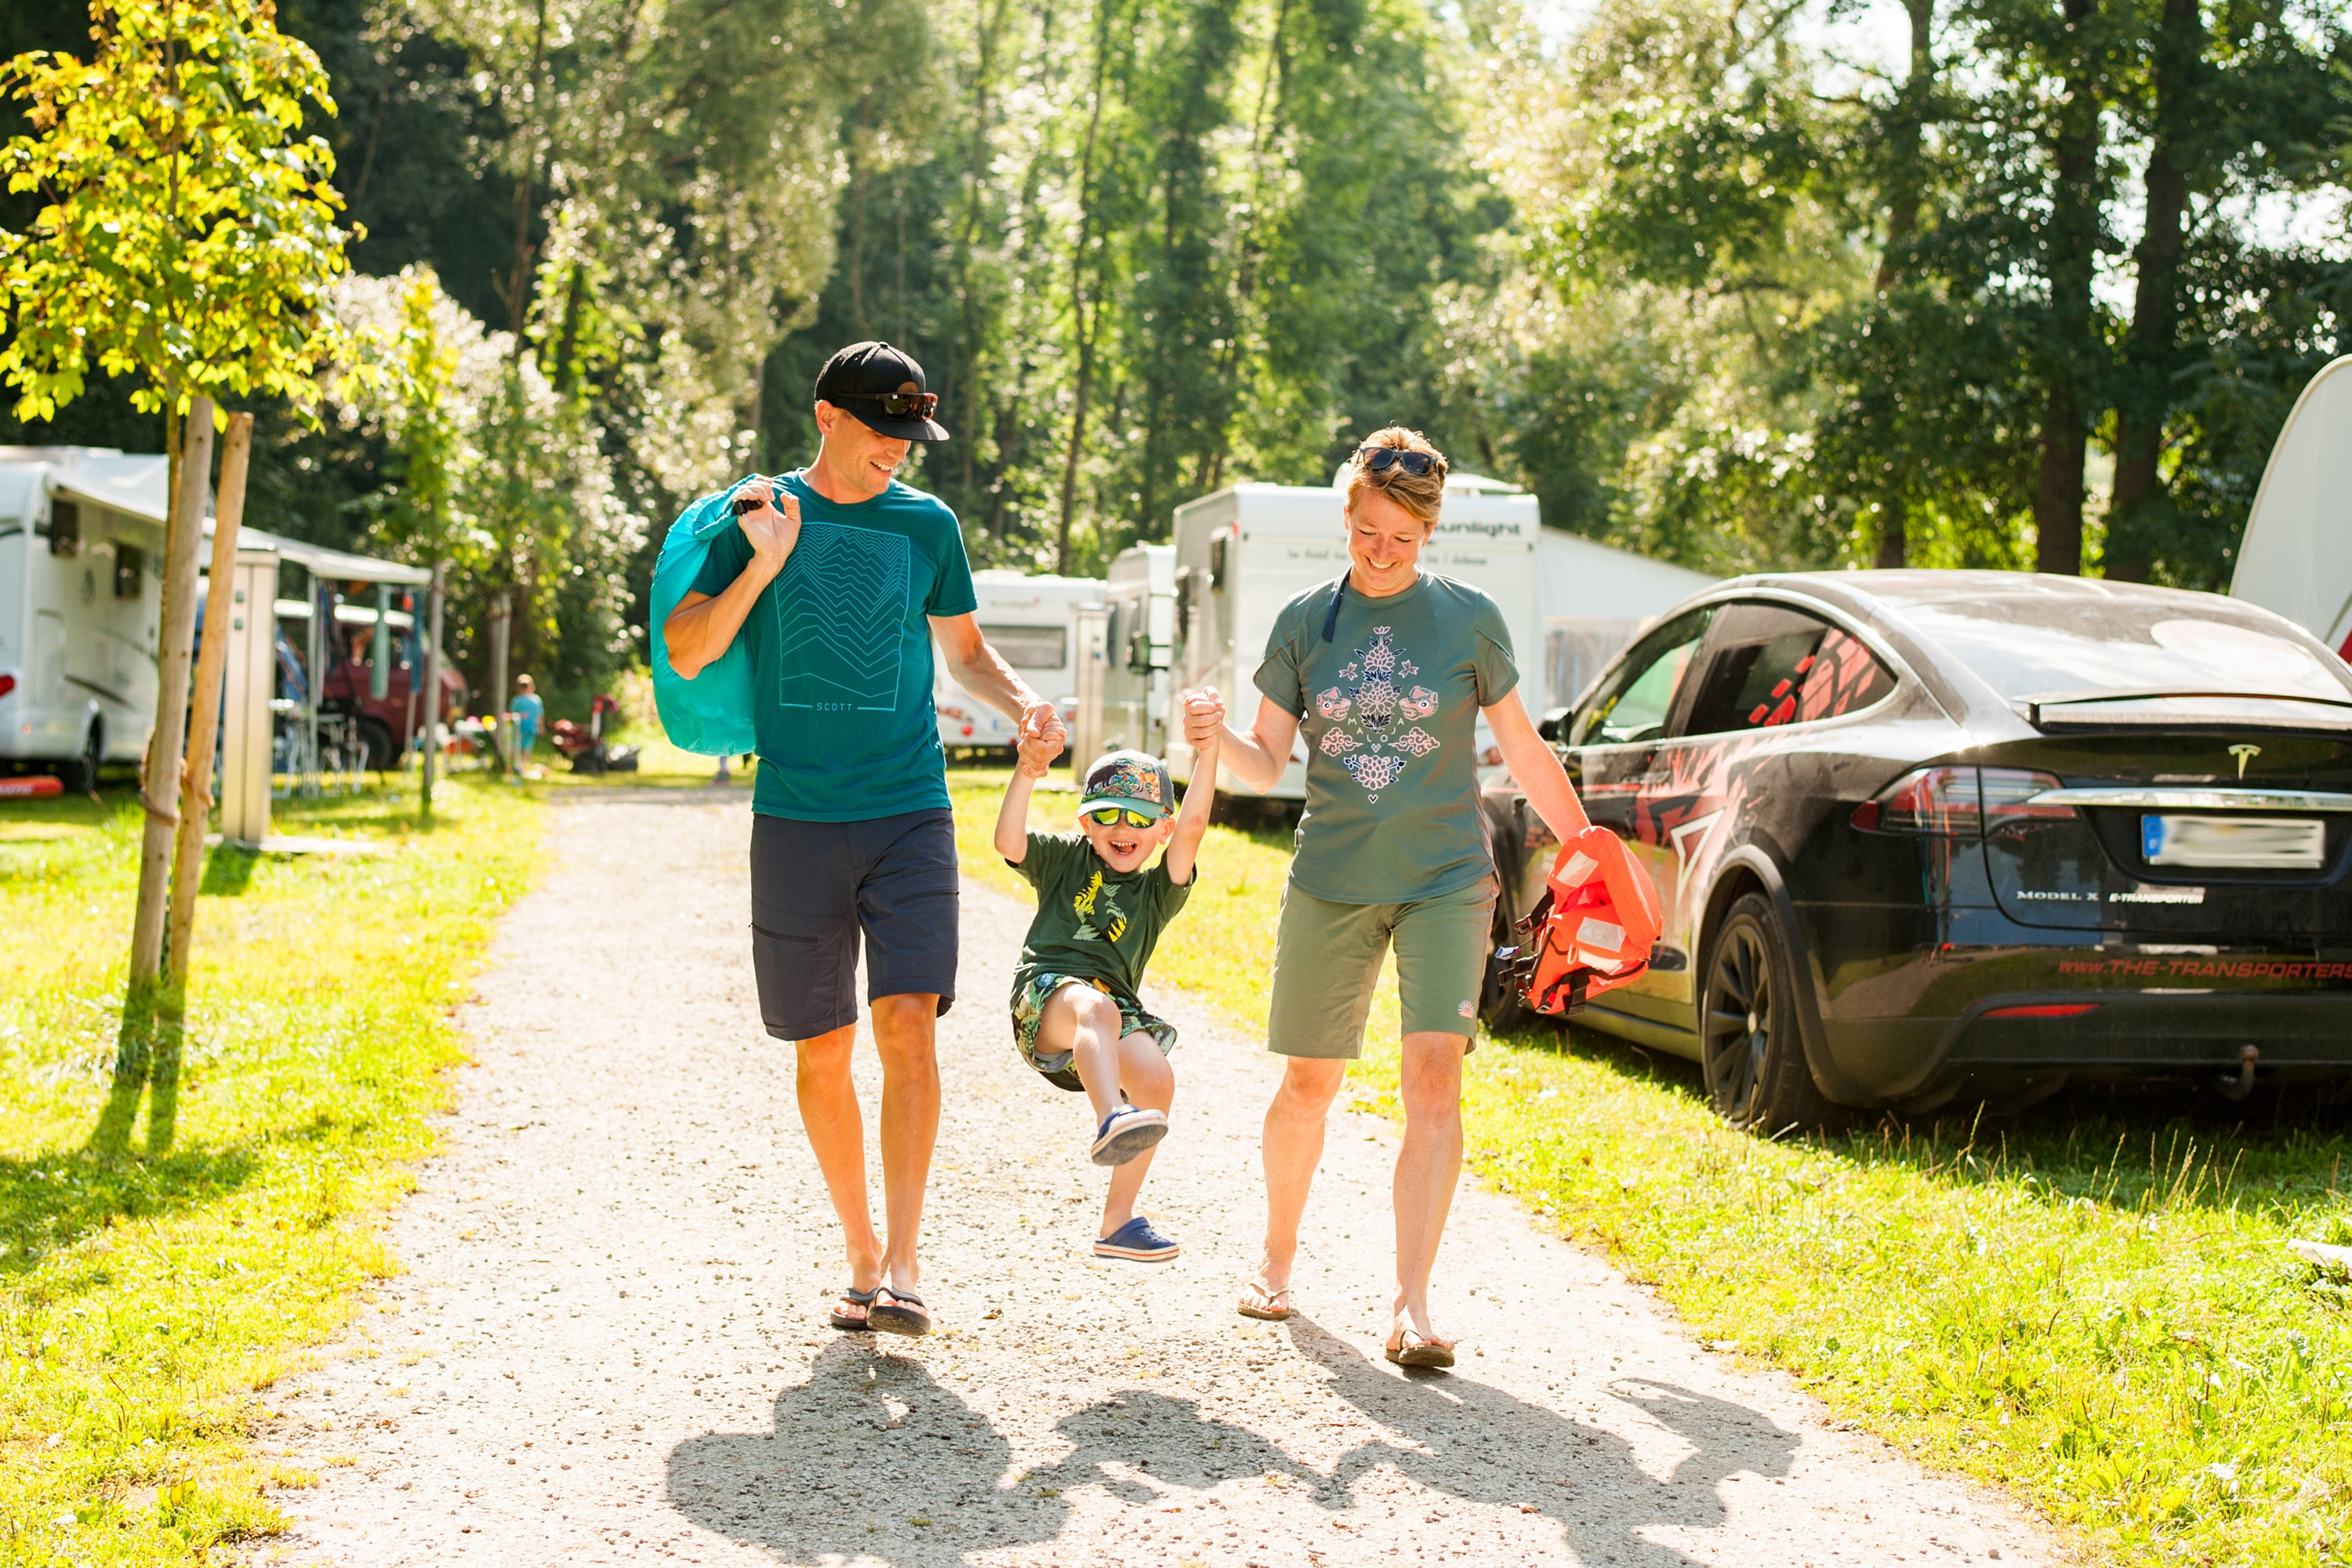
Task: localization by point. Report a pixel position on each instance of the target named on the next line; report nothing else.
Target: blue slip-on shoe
(1126, 1132)
(1137, 1242)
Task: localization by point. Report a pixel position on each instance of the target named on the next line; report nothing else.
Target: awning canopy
(135, 484)
(336, 566)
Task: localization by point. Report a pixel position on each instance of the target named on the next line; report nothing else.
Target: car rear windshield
(2027, 648)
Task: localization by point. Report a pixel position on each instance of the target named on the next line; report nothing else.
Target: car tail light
(1961, 803)
(2043, 1010)
(1926, 800)
(2009, 799)
(7, 684)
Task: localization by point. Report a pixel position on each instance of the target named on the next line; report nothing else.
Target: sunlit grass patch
(148, 1303)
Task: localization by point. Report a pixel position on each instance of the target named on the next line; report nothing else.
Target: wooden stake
(212, 663)
(183, 532)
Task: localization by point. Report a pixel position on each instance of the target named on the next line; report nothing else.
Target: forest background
(2025, 283)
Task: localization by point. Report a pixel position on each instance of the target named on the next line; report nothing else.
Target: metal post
(428, 738)
(380, 651)
(322, 610)
(501, 628)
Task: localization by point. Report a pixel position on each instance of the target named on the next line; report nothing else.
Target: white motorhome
(1139, 641)
(1032, 622)
(2296, 557)
(1244, 551)
(81, 601)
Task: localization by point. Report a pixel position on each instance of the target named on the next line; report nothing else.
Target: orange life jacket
(1594, 928)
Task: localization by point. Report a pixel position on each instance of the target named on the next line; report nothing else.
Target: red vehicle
(390, 724)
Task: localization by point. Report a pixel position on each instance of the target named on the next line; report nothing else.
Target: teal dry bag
(710, 714)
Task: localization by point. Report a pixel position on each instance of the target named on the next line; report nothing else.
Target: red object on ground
(32, 788)
(1600, 924)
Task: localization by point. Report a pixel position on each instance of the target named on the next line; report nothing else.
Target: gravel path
(609, 1346)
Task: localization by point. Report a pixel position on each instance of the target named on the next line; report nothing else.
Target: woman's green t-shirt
(1389, 706)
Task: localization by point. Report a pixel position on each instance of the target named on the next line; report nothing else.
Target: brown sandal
(1409, 1349)
(1267, 1306)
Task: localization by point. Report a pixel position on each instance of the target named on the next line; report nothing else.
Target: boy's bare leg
(905, 1030)
(1293, 1147)
(1151, 1082)
(1083, 1022)
(837, 1133)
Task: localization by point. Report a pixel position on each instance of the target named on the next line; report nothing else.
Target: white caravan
(81, 600)
(1032, 622)
(1139, 642)
(1243, 552)
(2296, 557)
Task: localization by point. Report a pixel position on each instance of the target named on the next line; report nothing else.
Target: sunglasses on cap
(895, 404)
(1112, 816)
(1380, 460)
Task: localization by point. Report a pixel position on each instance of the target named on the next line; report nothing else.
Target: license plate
(2223, 843)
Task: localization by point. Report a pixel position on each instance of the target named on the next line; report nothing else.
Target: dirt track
(610, 1345)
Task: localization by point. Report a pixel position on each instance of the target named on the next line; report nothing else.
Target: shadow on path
(861, 1452)
(1473, 1442)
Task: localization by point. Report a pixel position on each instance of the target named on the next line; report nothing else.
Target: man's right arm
(703, 625)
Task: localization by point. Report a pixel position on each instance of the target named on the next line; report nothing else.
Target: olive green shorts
(1326, 960)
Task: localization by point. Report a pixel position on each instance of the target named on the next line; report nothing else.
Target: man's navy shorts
(816, 886)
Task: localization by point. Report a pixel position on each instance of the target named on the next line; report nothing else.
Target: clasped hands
(1042, 736)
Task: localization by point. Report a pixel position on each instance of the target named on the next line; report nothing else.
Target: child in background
(1075, 1019)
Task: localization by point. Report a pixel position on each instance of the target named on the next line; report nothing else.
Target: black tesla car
(1917, 835)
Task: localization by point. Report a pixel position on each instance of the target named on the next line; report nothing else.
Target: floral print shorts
(1029, 1011)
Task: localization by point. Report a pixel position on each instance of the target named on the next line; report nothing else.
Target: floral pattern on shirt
(1366, 714)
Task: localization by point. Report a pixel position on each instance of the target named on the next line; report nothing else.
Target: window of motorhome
(64, 528)
(1030, 648)
(129, 569)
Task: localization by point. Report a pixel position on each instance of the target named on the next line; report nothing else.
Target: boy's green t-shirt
(1389, 708)
(1093, 922)
(841, 654)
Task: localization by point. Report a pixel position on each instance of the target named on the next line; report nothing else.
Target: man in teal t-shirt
(838, 579)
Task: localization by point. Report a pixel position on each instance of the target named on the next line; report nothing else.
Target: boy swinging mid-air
(1075, 1019)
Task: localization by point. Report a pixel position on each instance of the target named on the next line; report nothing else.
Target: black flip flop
(849, 1325)
(893, 1316)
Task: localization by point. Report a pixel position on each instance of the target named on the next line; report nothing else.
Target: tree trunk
(150, 1012)
(2156, 300)
(1907, 193)
(195, 792)
(2070, 347)
(1078, 295)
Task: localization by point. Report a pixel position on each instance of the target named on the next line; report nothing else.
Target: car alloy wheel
(1738, 1023)
(1749, 1048)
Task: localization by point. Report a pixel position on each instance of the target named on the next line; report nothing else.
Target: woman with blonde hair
(1386, 670)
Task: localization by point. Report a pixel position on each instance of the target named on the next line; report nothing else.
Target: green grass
(2090, 1305)
(148, 1303)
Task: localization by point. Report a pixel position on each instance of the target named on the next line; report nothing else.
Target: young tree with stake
(187, 236)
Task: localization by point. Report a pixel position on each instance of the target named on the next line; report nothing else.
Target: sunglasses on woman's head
(1112, 816)
(897, 405)
(1380, 460)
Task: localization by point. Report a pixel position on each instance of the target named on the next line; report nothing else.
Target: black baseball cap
(883, 386)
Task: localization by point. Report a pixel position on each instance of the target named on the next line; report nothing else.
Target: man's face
(1122, 846)
(859, 452)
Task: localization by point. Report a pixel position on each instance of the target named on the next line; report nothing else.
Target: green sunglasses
(1111, 816)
